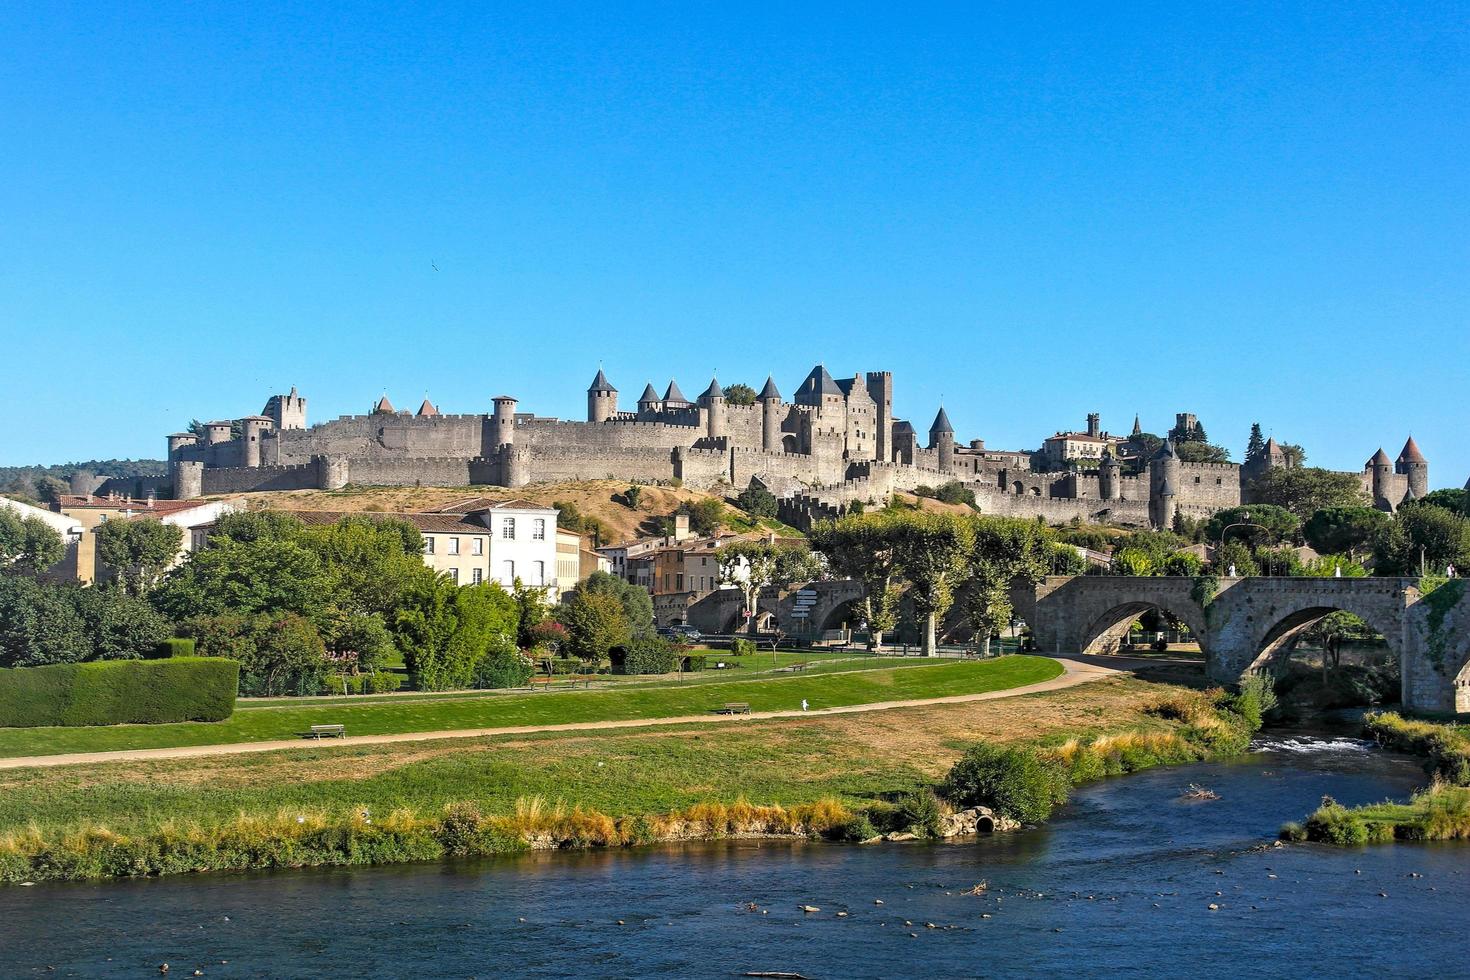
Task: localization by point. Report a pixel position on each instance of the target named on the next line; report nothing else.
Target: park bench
(733, 708)
(326, 731)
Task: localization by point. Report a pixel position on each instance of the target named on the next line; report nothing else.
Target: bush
(114, 692)
(502, 667)
(741, 647)
(176, 646)
(1015, 783)
(1255, 700)
(647, 655)
(921, 813)
(696, 662)
(757, 502)
(384, 682)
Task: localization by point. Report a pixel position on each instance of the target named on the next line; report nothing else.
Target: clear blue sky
(1248, 213)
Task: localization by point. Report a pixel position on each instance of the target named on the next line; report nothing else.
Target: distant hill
(29, 482)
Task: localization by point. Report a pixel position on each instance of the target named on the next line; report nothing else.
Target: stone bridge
(1250, 625)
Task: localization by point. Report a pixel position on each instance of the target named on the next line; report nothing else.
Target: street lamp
(1246, 522)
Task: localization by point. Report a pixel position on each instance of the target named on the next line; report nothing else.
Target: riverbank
(834, 777)
(1439, 811)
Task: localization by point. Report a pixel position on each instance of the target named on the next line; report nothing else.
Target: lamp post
(1245, 522)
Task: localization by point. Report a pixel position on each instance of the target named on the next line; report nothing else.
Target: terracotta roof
(383, 405)
(1380, 458)
(69, 501)
(1410, 453)
(1085, 437)
(427, 408)
(434, 523)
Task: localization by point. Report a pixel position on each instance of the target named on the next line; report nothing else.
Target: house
(72, 535)
(575, 560)
(89, 511)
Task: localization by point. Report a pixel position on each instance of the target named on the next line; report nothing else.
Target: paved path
(1078, 670)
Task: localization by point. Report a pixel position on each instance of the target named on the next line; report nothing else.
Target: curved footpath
(1076, 671)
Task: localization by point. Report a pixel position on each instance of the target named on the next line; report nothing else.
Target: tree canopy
(1308, 489)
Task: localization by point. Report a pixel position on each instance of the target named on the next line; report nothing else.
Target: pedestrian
(803, 704)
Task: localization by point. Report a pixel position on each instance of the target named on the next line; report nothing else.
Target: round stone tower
(188, 479)
(332, 472)
(770, 399)
(713, 403)
(602, 399)
(941, 438)
(1411, 463)
(1380, 477)
(1108, 476)
(252, 429)
(217, 432)
(515, 466)
(180, 440)
(503, 422)
(1163, 484)
(648, 402)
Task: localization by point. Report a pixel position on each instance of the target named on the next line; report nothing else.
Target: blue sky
(1248, 213)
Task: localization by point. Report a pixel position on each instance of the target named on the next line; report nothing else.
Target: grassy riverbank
(911, 680)
(834, 776)
(1440, 811)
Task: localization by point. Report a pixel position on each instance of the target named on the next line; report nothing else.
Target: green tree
(932, 551)
(357, 643)
(632, 496)
(445, 630)
(249, 526)
(1156, 546)
(532, 610)
(706, 516)
(1423, 536)
(752, 566)
(636, 602)
(1237, 555)
(863, 547)
(740, 394)
(279, 655)
(595, 623)
(757, 501)
(1183, 563)
(39, 624)
(1132, 561)
(570, 517)
(28, 544)
(1456, 501)
(138, 550)
(1333, 566)
(120, 626)
(371, 561)
(1003, 550)
(1256, 524)
(1292, 454)
(1345, 530)
(1307, 489)
(265, 576)
(1201, 452)
(1255, 446)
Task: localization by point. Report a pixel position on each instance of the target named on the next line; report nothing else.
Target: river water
(1122, 879)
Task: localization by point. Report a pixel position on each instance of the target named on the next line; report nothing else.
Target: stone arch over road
(1250, 622)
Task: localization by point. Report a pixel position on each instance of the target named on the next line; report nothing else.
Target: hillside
(599, 499)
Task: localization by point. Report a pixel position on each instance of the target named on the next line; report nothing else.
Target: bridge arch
(1277, 641)
(1106, 630)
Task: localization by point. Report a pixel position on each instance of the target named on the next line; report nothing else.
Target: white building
(68, 528)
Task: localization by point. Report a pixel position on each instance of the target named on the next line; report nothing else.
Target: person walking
(803, 704)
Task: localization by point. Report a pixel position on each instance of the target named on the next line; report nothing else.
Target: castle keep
(834, 443)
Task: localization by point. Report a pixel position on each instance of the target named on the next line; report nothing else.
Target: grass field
(910, 681)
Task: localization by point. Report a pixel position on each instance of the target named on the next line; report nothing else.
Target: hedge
(177, 646)
(115, 692)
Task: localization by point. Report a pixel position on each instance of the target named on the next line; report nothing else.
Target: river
(1122, 879)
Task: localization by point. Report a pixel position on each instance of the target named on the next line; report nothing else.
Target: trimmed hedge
(177, 646)
(115, 692)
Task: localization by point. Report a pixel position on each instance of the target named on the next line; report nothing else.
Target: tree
(862, 547)
(570, 516)
(1306, 490)
(358, 643)
(1201, 452)
(265, 576)
(39, 624)
(50, 489)
(1132, 561)
(595, 623)
(1237, 555)
(247, 526)
(931, 551)
(1423, 536)
(955, 492)
(1003, 550)
(371, 561)
(636, 602)
(1256, 524)
(1156, 546)
(121, 626)
(1345, 530)
(1333, 630)
(445, 630)
(1333, 566)
(1456, 501)
(1183, 563)
(1256, 445)
(138, 550)
(28, 544)
(706, 516)
(757, 501)
(1292, 454)
(532, 610)
(632, 495)
(281, 654)
(740, 394)
(752, 566)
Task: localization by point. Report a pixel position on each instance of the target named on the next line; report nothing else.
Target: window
(477, 546)
(538, 529)
(538, 573)
(454, 575)
(508, 528)
(477, 576)
(508, 572)
(453, 547)
(428, 545)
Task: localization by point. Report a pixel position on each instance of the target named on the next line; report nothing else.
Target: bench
(326, 731)
(733, 708)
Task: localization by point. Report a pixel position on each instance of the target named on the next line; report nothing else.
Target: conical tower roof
(1166, 489)
(1410, 453)
(600, 383)
(649, 395)
(769, 391)
(714, 390)
(1166, 451)
(1137, 429)
(1380, 458)
(941, 423)
(427, 408)
(384, 406)
(673, 396)
(1272, 449)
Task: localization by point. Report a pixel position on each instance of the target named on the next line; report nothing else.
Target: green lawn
(898, 683)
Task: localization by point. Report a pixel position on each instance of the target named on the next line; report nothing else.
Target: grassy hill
(603, 500)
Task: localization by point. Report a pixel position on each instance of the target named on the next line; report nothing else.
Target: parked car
(682, 632)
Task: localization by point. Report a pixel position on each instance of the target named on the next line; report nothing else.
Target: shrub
(503, 666)
(384, 682)
(648, 655)
(696, 662)
(113, 692)
(1256, 699)
(1015, 783)
(921, 813)
(176, 646)
(757, 502)
(741, 647)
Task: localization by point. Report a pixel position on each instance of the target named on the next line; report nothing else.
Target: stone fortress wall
(835, 443)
